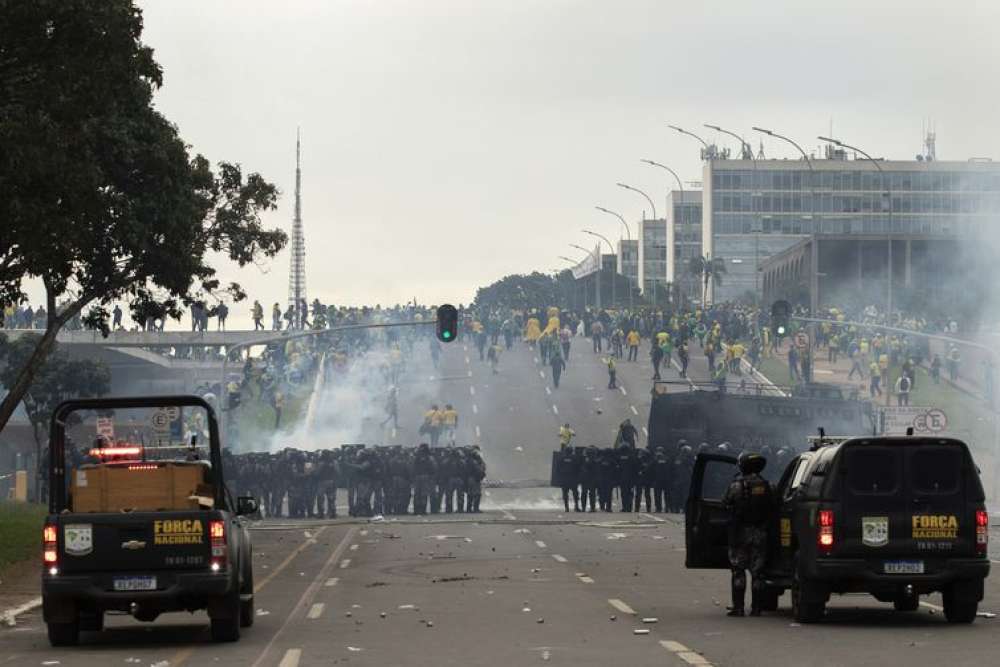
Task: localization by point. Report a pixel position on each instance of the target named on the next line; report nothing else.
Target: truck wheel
(804, 607)
(959, 608)
(769, 599)
(92, 622)
(227, 628)
(64, 634)
(246, 600)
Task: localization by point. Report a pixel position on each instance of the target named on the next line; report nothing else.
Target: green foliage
(21, 527)
(535, 290)
(101, 199)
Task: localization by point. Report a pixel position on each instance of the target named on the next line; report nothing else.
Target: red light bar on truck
(104, 452)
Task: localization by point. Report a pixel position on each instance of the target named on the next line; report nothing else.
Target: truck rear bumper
(63, 595)
(860, 575)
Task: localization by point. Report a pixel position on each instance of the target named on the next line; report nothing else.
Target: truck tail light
(50, 549)
(824, 538)
(982, 531)
(217, 536)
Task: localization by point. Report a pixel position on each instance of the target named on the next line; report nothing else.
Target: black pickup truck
(894, 517)
(142, 529)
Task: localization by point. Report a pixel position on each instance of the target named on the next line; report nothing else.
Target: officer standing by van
(750, 502)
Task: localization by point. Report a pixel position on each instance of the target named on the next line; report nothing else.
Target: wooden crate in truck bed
(138, 486)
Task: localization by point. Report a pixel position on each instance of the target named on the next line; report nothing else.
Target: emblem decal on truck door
(875, 531)
(78, 539)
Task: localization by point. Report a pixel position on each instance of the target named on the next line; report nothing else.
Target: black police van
(895, 517)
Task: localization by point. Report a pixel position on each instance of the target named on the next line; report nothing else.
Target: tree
(57, 379)
(101, 199)
(536, 290)
(708, 270)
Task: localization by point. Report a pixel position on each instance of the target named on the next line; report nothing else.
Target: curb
(8, 616)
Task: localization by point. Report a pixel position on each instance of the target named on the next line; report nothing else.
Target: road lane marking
(285, 562)
(466, 360)
(684, 653)
(541, 545)
(470, 373)
(345, 563)
(394, 431)
(634, 411)
(645, 432)
(308, 595)
(477, 431)
(558, 558)
(354, 547)
(332, 581)
(465, 348)
(622, 390)
(621, 606)
(931, 606)
(654, 518)
(472, 391)
(291, 659)
(555, 410)
(316, 611)
(584, 578)
(548, 391)
(541, 375)
(536, 359)
(507, 515)
(475, 409)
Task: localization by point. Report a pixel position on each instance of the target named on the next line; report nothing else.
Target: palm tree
(707, 269)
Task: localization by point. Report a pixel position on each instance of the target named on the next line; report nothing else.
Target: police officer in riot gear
(750, 502)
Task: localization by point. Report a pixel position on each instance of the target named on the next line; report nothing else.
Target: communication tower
(297, 270)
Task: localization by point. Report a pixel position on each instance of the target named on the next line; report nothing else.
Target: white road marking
(472, 391)
(622, 390)
(621, 606)
(634, 411)
(548, 391)
(291, 658)
(394, 431)
(584, 578)
(507, 515)
(9, 615)
(344, 563)
(477, 431)
(332, 581)
(558, 558)
(466, 360)
(654, 518)
(995, 561)
(475, 409)
(684, 653)
(931, 606)
(465, 348)
(354, 547)
(541, 545)
(541, 375)
(536, 359)
(316, 611)
(470, 373)
(555, 410)
(645, 432)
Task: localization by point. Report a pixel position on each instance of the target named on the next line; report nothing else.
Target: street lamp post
(680, 185)
(652, 206)
(814, 255)
(704, 143)
(747, 150)
(628, 235)
(888, 194)
(614, 277)
(590, 253)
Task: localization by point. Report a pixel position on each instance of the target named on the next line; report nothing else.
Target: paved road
(513, 588)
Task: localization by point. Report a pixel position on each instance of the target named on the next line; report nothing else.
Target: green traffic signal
(447, 323)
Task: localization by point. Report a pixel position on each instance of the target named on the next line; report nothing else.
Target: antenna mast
(297, 270)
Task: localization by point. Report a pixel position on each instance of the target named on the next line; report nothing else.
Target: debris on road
(650, 619)
(640, 631)
(382, 614)
(617, 536)
(354, 649)
(519, 448)
(262, 612)
(540, 620)
(526, 609)
(522, 531)
(407, 606)
(986, 614)
(376, 584)
(614, 617)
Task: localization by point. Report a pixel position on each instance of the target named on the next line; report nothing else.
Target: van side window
(872, 470)
(797, 476)
(936, 470)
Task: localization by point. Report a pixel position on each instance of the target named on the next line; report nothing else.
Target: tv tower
(297, 270)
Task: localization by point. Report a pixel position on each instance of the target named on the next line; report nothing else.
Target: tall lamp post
(666, 199)
(590, 253)
(814, 255)
(888, 195)
(692, 134)
(747, 150)
(652, 206)
(614, 277)
(628, 235)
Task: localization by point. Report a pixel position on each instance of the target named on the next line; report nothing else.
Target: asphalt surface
(523, 583)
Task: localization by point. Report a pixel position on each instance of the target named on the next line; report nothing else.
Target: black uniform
(750, 501)
(569, 473)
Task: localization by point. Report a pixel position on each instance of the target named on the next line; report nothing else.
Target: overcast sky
(448, 143)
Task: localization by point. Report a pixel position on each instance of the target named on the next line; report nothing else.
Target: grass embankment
(20, 531)
(255, 416)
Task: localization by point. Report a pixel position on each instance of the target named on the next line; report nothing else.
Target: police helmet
(751, 463)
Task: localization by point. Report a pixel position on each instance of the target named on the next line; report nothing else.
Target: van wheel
(64, 634)
(227, 628)
(246, 600)
(959, 609)
(804, 608)
(906, 603)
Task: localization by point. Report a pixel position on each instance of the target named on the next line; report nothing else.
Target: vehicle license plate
(903, 567)
(135, 583)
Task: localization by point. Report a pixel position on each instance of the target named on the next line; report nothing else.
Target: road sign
(160, 421)
(106, 427)
(923, 420)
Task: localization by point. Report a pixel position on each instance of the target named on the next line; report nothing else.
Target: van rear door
(942, 521)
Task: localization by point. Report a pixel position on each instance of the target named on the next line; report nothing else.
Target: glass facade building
(753, 209)
(652, 262)
(684, 238)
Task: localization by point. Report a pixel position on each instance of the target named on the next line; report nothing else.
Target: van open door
(706, 522)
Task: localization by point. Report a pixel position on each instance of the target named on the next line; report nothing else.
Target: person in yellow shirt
(632, 340)
(565, 436)
(738, 351)
(449, 421)
(432, 424)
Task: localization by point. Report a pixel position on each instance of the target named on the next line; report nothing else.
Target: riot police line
(658, 476)
(380, 480)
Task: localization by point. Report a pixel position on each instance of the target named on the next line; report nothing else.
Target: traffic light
(781, 312)
(447, 323)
